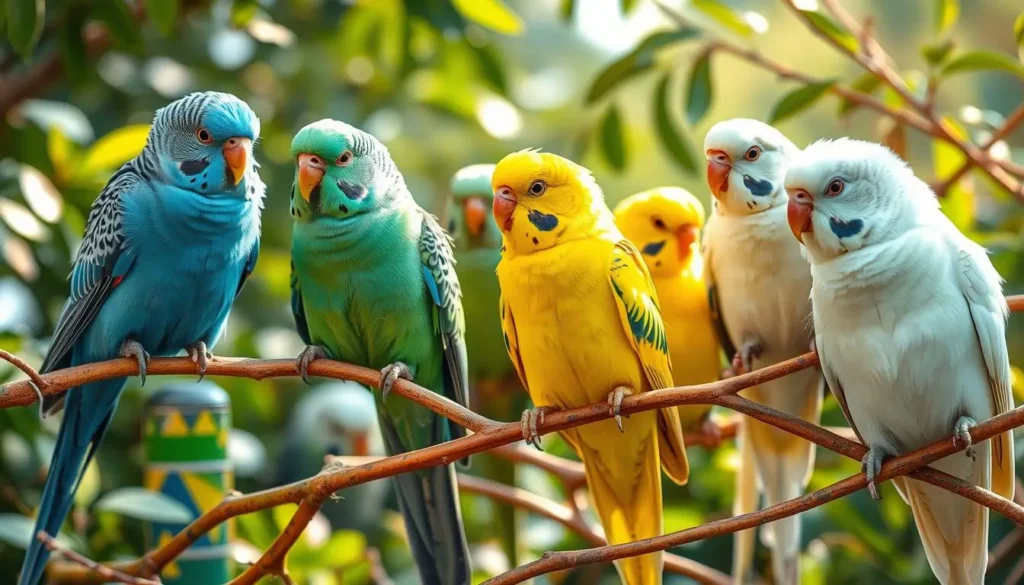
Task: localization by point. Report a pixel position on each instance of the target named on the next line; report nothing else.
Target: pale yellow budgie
(665, 224)
(582, 325)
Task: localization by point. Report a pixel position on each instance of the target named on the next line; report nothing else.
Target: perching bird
(336, 418)
(496, 390)
(665, 224)
(373, 284)
(910, 323)
(759, 285)
(582, 325)
(183, 216)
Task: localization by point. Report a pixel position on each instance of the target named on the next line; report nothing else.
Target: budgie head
(747, 162)
(847, 194)
(341, 173)
(469, 207)
(203, 143)
(542, 199)
(665, 224)
(340, 418)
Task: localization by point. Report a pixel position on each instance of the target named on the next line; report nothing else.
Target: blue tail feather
(87, 413)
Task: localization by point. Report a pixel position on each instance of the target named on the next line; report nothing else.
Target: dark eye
(203, 135)
(753, 153)
(835, 187)
(344, 158)
(658, 223)
(538, 187)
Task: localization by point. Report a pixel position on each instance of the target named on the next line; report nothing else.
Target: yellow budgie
(581, 322)
(665, 224)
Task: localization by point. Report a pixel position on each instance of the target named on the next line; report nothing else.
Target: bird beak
(236, 155)
(686, 235)
(799, 211)
(311, 172)
(719, 167)
(476, 214)
(360, 445)
(504, 204)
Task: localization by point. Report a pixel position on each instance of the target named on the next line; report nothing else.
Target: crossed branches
(489, 435)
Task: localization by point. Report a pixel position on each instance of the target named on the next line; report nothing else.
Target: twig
(1012, 122)
(107, 573)
(273, 561)
(24, 367)
(1013, 539)
(378, 574)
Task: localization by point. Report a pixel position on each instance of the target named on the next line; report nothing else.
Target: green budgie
(373, 284)
(495, 386)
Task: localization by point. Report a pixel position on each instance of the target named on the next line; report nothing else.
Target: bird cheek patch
(543, 221)
(845, 229)
(352, 191)
(653, 248)
(194, 167)
(757, 188)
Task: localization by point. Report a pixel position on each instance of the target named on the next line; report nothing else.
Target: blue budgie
(168, 245)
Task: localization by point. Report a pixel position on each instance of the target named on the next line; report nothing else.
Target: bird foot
(743, 361)
(389, 374)
(201, 357)
(308, 356)
(615, 404)
(532, 417)
(962, 435)
(712, 433)
(133, 349)
(872, 465)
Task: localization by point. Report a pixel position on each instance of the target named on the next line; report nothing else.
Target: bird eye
(203, 135)
(835, 187)
(658, 223)
(538, 187)
(344, 159)
(753, 153)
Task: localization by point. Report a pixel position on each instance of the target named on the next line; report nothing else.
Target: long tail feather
(87, 413)
(745, 502)
(429, 502)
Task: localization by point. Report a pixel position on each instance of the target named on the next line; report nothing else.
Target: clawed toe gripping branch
(501, 437)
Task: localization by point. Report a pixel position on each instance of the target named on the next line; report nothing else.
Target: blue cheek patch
(845, 229)
(757, 188)
(194, 167)
(653, 248)
(543, 221)
(352, 191)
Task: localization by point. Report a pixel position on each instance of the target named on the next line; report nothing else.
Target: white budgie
(910, 322)
(760, 286)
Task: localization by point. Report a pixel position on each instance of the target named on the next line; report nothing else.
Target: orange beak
(311, 172)
(719, 167)
(504, 204)
(798, 213)
(360, 445)
(236, 154)
(686, 235)
(475, 212)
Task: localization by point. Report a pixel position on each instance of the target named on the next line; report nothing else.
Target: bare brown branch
(108, 574)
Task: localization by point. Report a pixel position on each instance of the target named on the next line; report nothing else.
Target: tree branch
(106, 573)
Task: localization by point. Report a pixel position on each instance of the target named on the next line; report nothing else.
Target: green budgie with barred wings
(374, 284)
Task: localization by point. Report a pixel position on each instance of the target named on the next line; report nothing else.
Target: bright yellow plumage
(665, 225)
(581, 318)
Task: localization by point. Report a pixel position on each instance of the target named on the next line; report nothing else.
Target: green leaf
(1018, 34)
(946, 13)
(491, 14)
(832, 30)
(627, 5)
(24, 24)
(164, 13)
(866, 83)
(490, 61)
(16, 530)
(118, 19)
(3, 15)
(725, 16)
(242, 11)
(567, 9)
(699, 91)
(798, 100)
(937, 53)
(982, 61)
(636, 61)
(71, 43)
(671, 139)
(613, 144)
(145, 505)
(114, 149)
(958, 203)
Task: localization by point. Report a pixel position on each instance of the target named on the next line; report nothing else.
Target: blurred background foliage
(613, 84)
